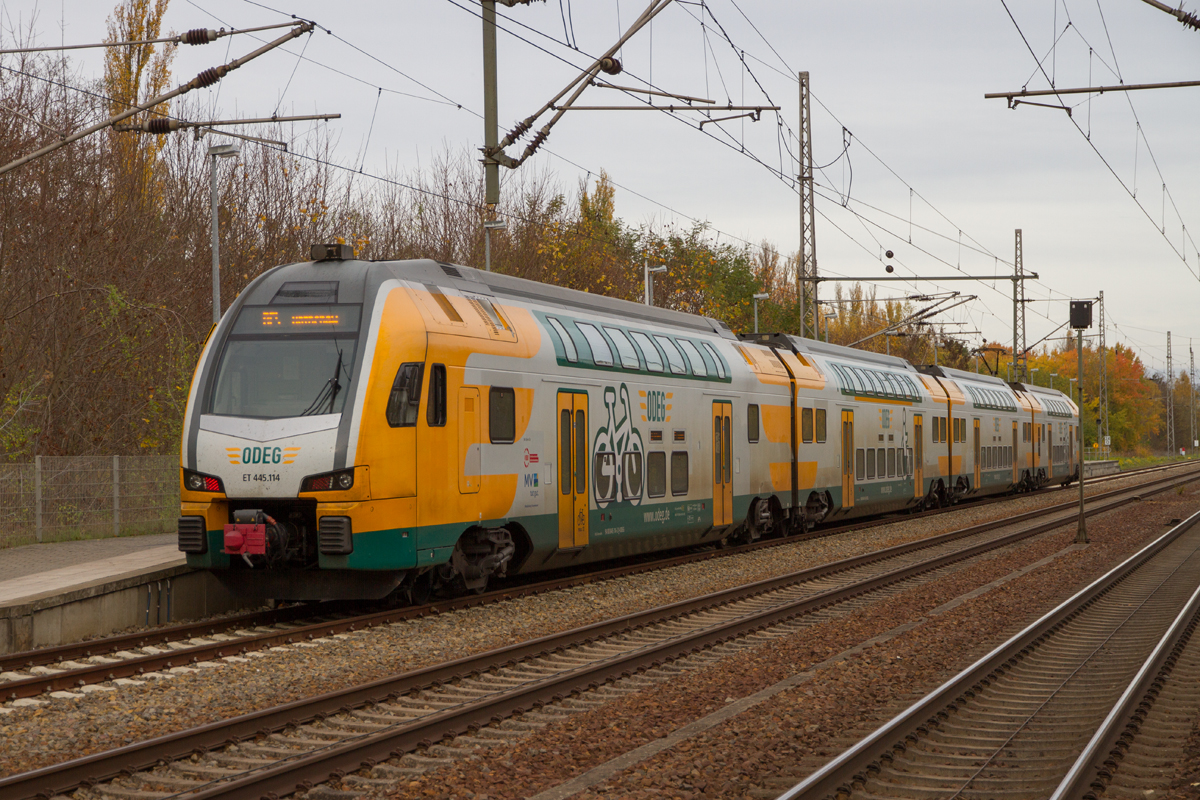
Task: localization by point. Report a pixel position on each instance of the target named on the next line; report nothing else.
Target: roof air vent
(332, 252)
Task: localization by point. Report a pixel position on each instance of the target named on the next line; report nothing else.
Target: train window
(908, 462)
(891, 462)
(564, 449)
(629, 357)
(806, 424)
(716, 359)
(502, 415)
(567, 342)
(649, 351)
(679, 473)
(860, 464)
(961, 426)
(631, 475)
(580, 452)
(656, 474)
(870, 463)
(601, 352)
(405, 399)
(694, 358)
(435, 409)
(820, 424)
(752, 422)
(605, 475)
(674, 357)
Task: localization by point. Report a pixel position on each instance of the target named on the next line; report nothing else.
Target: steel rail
(350, 755)
(864, 757)
(1101, 758)
(127, 667)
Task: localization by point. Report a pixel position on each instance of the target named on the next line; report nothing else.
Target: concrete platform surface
(36, 571)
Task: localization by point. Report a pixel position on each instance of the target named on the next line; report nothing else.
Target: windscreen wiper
(334, 382)
(329, 389)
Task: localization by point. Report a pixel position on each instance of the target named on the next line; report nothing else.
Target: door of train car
(1016, 467)
(977, 463)
(469, 440)
(572, 469)
(848, 459)
(722, 445)
(918, 457)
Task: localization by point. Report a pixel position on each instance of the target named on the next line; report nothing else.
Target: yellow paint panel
(806, 376)
(776, 423)
(392, 451)
(374, 515)
(764, 364)
(806, 474)
(215, 513)
(781, 476)
(944, 462)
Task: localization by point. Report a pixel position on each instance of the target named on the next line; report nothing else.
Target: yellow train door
(848, 459)
(976, 452)
(722, 415)
(572, 470)
(918, 457)
(1016, 468)
(468, 440)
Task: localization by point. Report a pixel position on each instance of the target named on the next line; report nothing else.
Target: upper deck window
(601, 352)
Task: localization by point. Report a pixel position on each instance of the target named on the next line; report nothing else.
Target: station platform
(61, 592)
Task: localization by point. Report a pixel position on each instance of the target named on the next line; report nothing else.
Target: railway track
(135, 655)
(67, 668)
(305, 742)
(1056, 710)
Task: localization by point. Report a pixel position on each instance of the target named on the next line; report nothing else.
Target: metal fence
(87, 497)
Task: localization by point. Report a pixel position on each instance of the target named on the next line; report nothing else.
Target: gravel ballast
(66, 728)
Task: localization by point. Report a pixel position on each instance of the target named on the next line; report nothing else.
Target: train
(395, 429)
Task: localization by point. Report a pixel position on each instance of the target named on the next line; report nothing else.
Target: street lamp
(217, 151)
(648, 271)
(828, 316)
(1033, 378)
(1053, 375)
(757, 297)
(489, 226)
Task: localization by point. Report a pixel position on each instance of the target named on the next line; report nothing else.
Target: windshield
(285, 374)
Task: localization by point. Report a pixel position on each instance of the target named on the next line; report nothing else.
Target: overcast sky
(932, 171)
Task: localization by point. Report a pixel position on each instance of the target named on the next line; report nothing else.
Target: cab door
(918, 457)
(722, 417)
(848, 458)
(468, 440)
(572, 470)
(977, 452)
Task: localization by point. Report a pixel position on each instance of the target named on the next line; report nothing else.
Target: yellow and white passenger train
(362, 429)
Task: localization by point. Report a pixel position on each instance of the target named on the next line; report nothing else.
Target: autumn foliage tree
(105, 294)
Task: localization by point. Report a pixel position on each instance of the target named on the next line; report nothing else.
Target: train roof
(813, 346)
(355, 278)
(963, 375)
(468, 279)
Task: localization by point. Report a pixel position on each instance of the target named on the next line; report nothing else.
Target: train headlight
(329, 482)
(199, 482)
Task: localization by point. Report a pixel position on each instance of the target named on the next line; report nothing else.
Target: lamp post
(828, 316)
(1053, 375)
(217, 151)
(489, 226)
(757, 297)
(648, 271)
(1033, 378)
